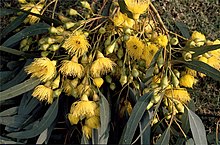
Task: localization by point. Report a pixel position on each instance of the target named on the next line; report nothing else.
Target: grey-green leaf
(190, 142)
(46, 121)
(136, 115)
(165, 137)
(5, 12)
(203, 68)
(43, 136)
(197, 128)
(32, 30)
(16, 52)
(183, 29)
(103, 131)
(203, 49)
(9, 112)
(13, 25)
(19, 89)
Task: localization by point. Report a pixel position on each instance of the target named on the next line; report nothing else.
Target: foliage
(104, 69)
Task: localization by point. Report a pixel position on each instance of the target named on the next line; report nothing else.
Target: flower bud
(44, 46)
(160, 60)
(175, 80)
(154, 121)
(174, 41)
(54, 47)
(108, 79)
(123, 80)
(98, 82)
(86, 5)
(72, 12)
(179, 107)
(102, 30)
(110, 48)
(55, 84)
(155, 99)
(53, 30)
(120, 53)
(108, 41)
(24, 42)
(57, 93)
(44, 53)
(150, 104)
(69, 25)
(126, 37)
(135, 72)
(95, 97)
(164, 82)
(127, 31)
(112, 86)
(177, 73)
(187, 56)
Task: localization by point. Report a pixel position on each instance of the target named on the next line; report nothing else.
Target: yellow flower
(161, 40)
(198, 38)
(83, 109)
(93, 122)
(98, 82)
(191, 72)
(76, 45)
(214, 62)
(87, 131)
(137, 7)
(187, 81)
(73, 119)
(148, 53)
(42, 68)
(101, 65)
(72, 68)
(43, 93)
(179, 94)
(134, 47)
(69, 86)
(120, 19)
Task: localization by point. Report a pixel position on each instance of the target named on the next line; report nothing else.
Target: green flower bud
(112, 86)
(110, 48)
(120, 53)
(123, 80)
(126, 37)
(108, 79)
(72, 12)
(135, 73)
(164, 82)
(44, 53)
(57, 93)
(174, 41)
(102, 30)
(69, 25)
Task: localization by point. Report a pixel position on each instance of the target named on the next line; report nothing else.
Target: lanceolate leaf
(197, 128)
(204, 68)
(103, 130)
(165, 137)
(183, 29)
(19, 89)
(17, 79)
(16, 52)
(9, 112)
(124, 9)
(32, 30)
(46, 121)
(43, 136)
(5, 11)
(13, 25)
(134, 119)
(203, 49)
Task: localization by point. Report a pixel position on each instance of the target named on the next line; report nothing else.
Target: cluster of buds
(114, 53)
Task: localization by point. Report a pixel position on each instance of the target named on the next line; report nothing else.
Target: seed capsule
(135, 73)
(69, 25)
(53, 30)
(108, 79)
(44, 53)
(187, 56)
(54, 47)
(112, 86)
(102, 30)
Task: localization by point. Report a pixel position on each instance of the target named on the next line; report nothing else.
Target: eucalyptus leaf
(6, 11)
(165, 138)
(145, 120)
(136, 115)
(19, 89)
(183, 29)
(46, 121)
(202, 49)
(123, 9)
(190, 142)
(5, 76)
(13, 25)
(43, 136)
(18, 78)
(13, 121)
(103, 130)
(203, 68)
(35, 29)
(197, 128)
(9, 112)
(16, 52)
(24, 101)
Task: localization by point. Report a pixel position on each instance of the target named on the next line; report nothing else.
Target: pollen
(179, 94)
(187, 81)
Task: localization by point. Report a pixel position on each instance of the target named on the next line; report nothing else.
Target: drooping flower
(187, 81)
(134, 47)
(87, 131)
(137, 7)
(72, 68)
(180, 94)
(101, 65)
(98, 82)
(191, 72)
(161, 40)
(43, 93)
(198, 38)
(42, 68)
(83, 109)
(148, 53)
(93, 122)
(73, 119)
(76, 44)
